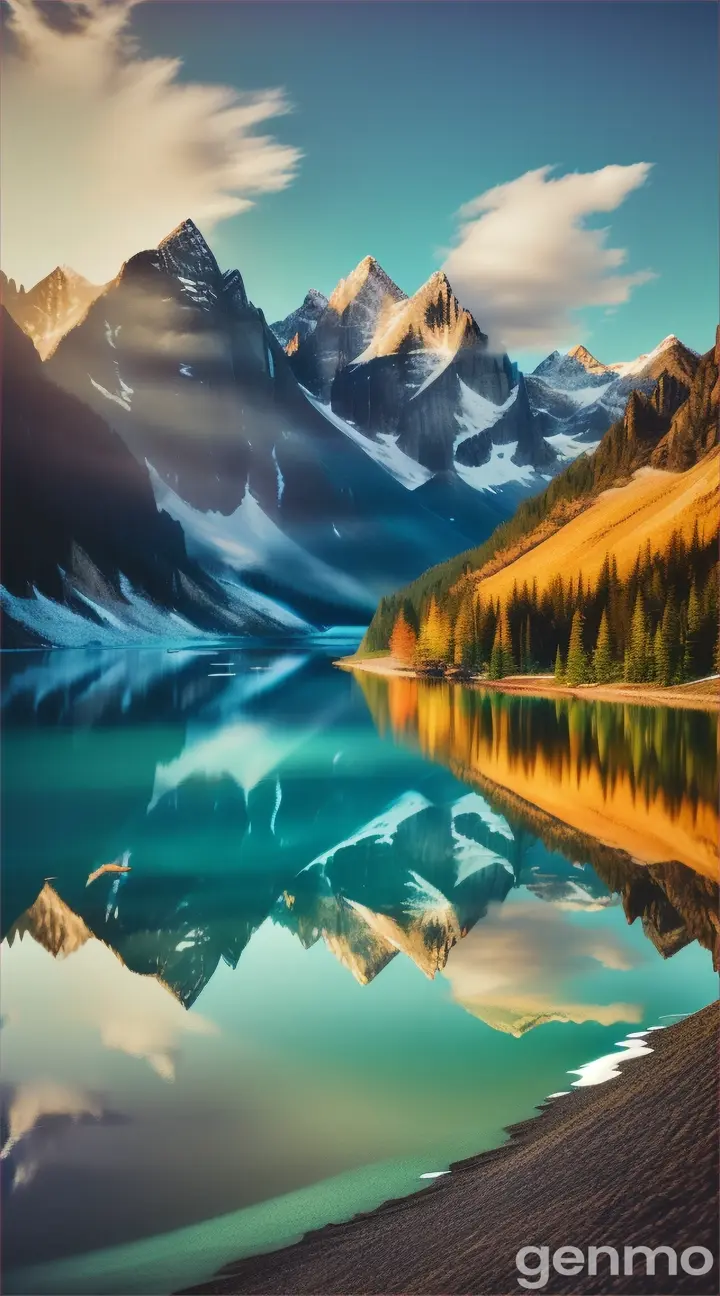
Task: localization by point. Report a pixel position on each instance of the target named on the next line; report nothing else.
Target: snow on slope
(498, 471)
(478, 413)
(65, 628)
(247, 540)
(383, 450)
(629, 368)
(568, 447)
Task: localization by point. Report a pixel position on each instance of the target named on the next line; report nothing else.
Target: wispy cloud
(525, 260)
(105, 150)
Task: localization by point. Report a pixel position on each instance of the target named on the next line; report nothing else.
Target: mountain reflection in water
(283, 864)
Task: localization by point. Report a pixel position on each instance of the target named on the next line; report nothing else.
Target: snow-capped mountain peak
(367, 278)
(574, 371)
(588, 361)
(432, 319)
(626, 368)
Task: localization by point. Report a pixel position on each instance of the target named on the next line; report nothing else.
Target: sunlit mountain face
(270, 929)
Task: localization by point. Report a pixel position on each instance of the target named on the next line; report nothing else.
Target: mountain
(640, 516)
(293, 330)
(413, 379)
(407, 380)
(87, 557)
(49, 310)
(576, 398)
(346, 326)
(575, 370)
(272, 496)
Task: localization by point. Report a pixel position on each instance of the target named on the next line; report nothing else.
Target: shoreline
(696, 695)
(632, 1161)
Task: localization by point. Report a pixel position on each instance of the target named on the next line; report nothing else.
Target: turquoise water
(330, 965)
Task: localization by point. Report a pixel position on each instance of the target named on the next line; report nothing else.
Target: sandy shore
(699, 695)
(632, 1162)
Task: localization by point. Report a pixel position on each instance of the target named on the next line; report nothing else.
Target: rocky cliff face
(345, 328)
(694, 427)
(297, 326)
(516, 424)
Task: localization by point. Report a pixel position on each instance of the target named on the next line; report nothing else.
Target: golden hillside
(619, 522)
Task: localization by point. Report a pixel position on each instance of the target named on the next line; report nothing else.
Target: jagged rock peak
(575, 370)
(313, 297)
(368, 275)
(586, 359)
(432, 318)
(185, 254)
(300, 323)
(186, 233)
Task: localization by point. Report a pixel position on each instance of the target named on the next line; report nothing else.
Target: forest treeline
(657, 624)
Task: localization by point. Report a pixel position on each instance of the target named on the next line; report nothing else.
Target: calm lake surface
(355, 928)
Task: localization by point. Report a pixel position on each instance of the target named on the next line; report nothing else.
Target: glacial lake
(354, 929)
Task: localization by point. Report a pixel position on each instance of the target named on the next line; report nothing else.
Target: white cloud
(105, 151)
(525, 261)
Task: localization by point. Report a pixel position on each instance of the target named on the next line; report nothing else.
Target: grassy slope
(620, 464)
(620, 522)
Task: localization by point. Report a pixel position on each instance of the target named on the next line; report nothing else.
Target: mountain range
(640, 514)
(309, 468)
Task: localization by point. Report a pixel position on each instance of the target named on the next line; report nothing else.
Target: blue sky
(403, 112)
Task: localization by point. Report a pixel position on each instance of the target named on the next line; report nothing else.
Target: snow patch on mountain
(569, 447)
(248, 540)
(498, 471)
(383, 450)
(478, 413)
(629, 368)
(66, 628)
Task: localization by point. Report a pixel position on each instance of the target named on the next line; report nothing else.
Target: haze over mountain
(308, 479)
(273, 499)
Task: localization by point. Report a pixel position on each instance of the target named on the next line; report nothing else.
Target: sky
(558, 159)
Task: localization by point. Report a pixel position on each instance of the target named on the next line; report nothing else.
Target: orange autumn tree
(403, 640)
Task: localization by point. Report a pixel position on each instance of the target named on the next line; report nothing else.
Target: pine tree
(559, 667)
(576, 668)
(658, 656)
(636, 663)
(463, 637)
(602, 657)
(501, 658)
(666, 646)
(403, 641)
(693, 634)
(433, 645)
(527, 648)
